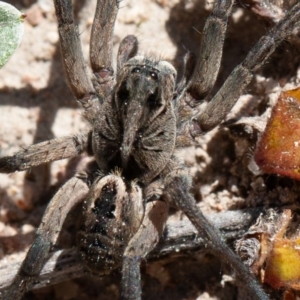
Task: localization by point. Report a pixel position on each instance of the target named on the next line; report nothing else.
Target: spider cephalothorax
(129, 132)
(138, 118)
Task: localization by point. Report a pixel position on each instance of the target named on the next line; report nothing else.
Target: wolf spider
(139, 116)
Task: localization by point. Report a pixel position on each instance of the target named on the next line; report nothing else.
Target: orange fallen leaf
(278, 150)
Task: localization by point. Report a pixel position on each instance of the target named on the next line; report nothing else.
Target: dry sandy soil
(36, 105)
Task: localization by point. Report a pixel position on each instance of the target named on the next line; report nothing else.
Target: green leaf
(11, 31)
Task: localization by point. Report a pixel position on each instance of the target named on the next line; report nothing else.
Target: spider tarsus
(131, 282)
(128, 49)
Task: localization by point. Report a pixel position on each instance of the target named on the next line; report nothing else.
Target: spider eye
(153, 75)
(136, 70)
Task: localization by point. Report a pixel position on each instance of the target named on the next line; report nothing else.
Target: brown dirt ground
(36, 105)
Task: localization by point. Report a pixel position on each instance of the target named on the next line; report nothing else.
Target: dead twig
(178, 236)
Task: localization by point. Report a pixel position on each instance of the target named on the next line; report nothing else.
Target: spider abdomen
(112, 214)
